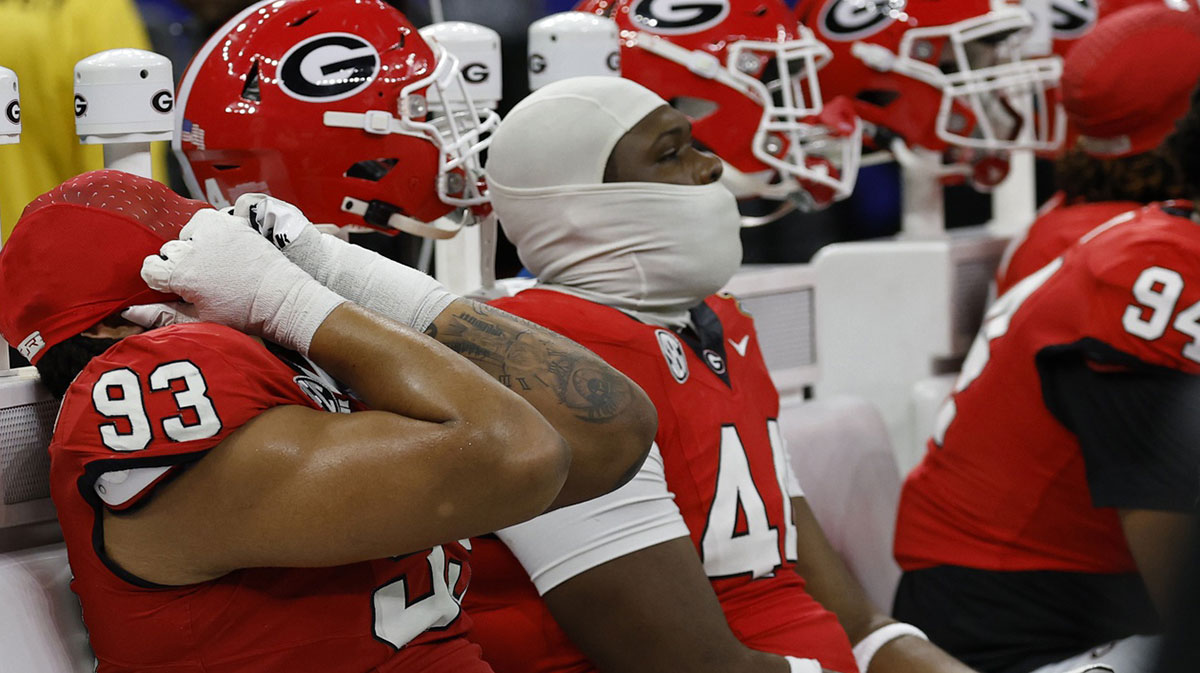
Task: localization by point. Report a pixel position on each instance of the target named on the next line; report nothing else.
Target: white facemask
(649, 249)
(652, 250)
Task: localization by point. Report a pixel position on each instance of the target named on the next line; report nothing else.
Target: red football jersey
(724, 461)
(1057, 228)
(158, 401)
(1004, 485)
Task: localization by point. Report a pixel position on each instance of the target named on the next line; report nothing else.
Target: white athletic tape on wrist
(360, 275)
(371, 280)
(798, 665)
(866, 649)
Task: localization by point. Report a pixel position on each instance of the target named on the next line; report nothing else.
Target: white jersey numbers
(738, 536)
(1156, 293)
(407, 607)
(1156, 289)
(118, 395)
(783, 474)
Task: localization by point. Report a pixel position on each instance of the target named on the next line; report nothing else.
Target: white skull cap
(563, 133)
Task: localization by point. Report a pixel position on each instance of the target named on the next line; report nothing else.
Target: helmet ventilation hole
(302, 19)
(878, 97)
(251, 90)
(373, 170)
(693, 108)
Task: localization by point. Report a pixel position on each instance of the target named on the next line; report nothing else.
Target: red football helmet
(744, 71)
(943, 75)
(325, 103)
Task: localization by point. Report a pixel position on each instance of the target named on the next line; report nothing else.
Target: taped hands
(231, 275)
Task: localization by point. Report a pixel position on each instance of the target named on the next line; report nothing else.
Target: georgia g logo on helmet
(677, 17)
(1073, 18)
(330, 66)
(848, 20)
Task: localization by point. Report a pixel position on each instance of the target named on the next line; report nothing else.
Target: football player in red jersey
(1045, 519)
(1147, 58)
(221, 508)
(708, 560)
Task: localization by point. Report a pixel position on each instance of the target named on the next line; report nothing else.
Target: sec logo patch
(674, 354)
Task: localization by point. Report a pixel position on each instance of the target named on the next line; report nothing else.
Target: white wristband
(370, 279)
(797, 665)
(360, 275)
(866, 648)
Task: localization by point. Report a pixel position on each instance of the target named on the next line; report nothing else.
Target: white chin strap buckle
(378, 122)
(700, 63)
(875, 56)
(440, 229)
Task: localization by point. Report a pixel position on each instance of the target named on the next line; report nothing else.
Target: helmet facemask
(437, 108)
(791, 138)
(992, 99)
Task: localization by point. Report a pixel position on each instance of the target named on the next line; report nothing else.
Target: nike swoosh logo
(740, 346)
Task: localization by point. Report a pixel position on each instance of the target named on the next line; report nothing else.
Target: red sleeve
(160, 400)
(1055, 230)
(1142, 292)
(1126, 384)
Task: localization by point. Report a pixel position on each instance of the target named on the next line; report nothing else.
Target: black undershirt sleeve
(1138, 424)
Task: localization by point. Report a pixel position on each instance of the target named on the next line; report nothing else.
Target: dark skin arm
(614, 613)
(446, 453)
(653, 611)
(1158, 541)
(607, 420)
(834, 587)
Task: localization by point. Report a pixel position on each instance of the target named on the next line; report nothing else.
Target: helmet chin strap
(700, 63)
(789, 194)
(384, 214)
(755, 185)
(931, 164)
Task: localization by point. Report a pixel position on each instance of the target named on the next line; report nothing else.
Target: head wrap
(75, 256)
(652, 250)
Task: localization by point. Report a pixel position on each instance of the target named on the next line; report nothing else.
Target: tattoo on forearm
(522, 357)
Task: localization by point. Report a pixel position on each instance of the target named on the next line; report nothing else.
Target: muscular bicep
(295, 487)
(608, 420)
(652, 610)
